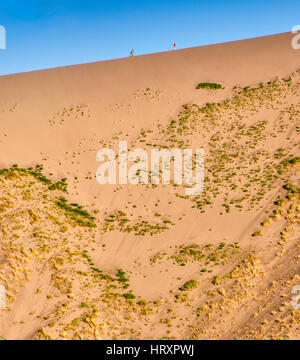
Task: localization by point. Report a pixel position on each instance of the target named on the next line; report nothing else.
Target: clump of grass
(257, 233)
(216, 280)
(76, 213)
(122, 278)
(279, 202)
(266, 223)
(206, 85)
(129, 296)
(60, 185)
(287, 163)
(37, 174)
(289, 187)
(208, 254)
(119, 221)
(189, 285)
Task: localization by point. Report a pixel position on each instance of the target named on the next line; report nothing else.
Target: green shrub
(80, 216)
(206, 85)
(129, 296)
(189, 285)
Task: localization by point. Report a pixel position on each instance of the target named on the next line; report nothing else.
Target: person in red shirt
(174, 46)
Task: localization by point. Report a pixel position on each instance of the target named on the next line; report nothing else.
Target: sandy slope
(61, 117)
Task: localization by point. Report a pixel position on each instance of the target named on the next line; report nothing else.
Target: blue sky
(50, 33)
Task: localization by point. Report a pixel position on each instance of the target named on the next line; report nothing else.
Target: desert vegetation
(207, 85)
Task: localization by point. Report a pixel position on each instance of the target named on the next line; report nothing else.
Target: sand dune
(145, 262)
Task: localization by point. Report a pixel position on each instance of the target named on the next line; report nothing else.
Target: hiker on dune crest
(132, 52)
(174, 45)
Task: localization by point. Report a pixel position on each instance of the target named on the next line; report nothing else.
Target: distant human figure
(174, 46)
(132, 52)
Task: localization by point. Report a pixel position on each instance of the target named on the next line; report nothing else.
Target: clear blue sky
(51, 33)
